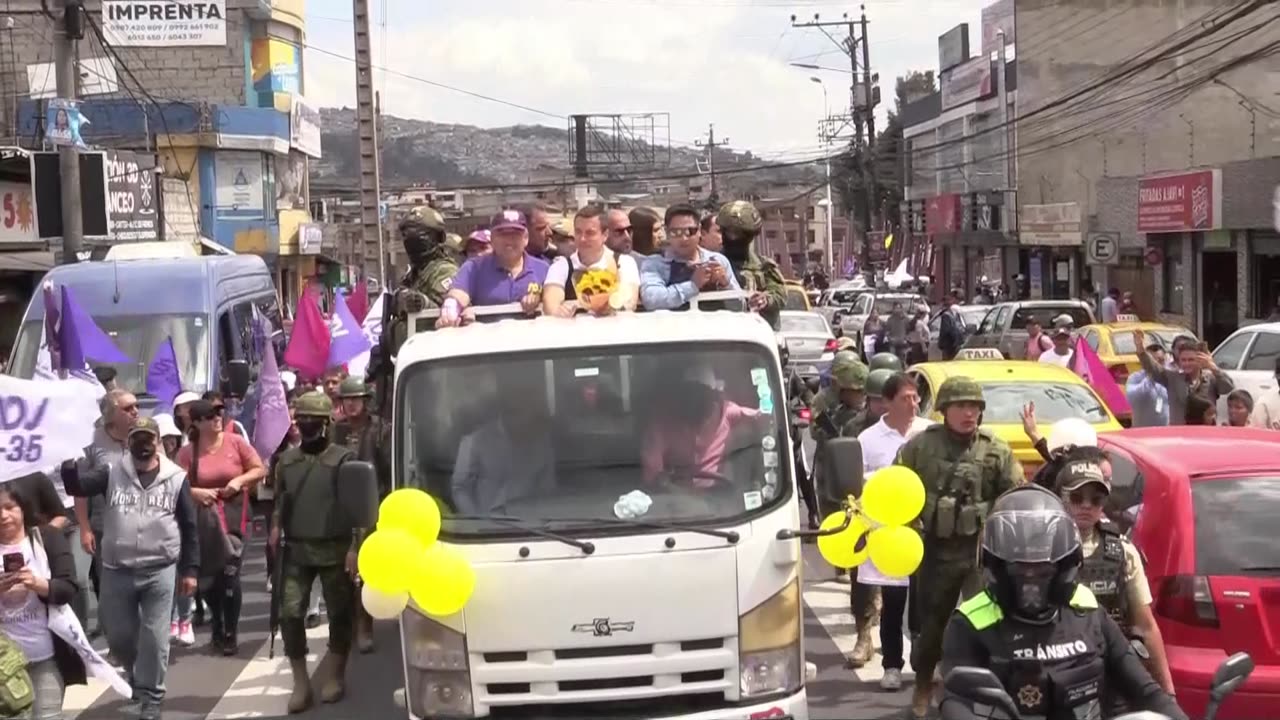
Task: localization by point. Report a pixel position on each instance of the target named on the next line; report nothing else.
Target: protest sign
(42, 423)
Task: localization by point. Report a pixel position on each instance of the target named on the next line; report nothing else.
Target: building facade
(1152, 128)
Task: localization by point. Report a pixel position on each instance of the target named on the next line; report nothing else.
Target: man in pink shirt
(1037, 341)
(690, 440)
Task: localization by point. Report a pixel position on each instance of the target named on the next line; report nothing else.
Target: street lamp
(829, 257)
(811, 66)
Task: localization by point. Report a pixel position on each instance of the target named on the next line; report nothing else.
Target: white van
(613, 578)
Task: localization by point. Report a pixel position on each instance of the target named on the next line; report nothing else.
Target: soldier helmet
(314, 404)
(848, 372)
(739, 216)
(846, 343)
(455, 243)
(420, 221)
(1031, 553)
(353, 387)
(960, 389)
(885, 361)
(876, 380)
(563, 227)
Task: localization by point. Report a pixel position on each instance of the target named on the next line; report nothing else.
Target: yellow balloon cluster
(892, 497)
(402, 559)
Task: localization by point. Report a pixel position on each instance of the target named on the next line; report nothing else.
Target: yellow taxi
(1007, 386)
(797, 297)
(1115, 345)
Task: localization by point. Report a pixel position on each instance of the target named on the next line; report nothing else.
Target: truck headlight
(769, 645)
(437, 668)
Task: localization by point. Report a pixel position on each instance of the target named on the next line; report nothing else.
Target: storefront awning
(38, 261)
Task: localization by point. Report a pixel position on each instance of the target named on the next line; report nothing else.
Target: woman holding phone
(223, 468)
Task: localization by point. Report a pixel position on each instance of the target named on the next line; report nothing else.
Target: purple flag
(346, 340)
(163, 379)
(51, 317)
(271, 419)
(90, 342)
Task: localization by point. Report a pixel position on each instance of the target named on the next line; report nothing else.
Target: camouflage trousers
(947, 575)
(295, 595)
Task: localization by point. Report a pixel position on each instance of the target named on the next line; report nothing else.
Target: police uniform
(962, 476)
(316, 536)
(370, 441)
(1044, 636)
(740, 223)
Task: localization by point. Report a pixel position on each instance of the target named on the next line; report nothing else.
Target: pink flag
(358, 302)
(308, 348)
(1088, 366)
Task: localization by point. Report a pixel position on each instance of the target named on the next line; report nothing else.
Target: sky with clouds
(703, 61)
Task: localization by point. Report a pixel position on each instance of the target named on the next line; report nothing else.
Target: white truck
(613, 579)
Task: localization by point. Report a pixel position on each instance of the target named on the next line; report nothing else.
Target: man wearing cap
(478, 244)
(1061, 353)
(1112, 566)
(182, 410)
(508, 275)
(149, 549)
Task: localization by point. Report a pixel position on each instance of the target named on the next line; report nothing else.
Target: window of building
(791, 236)
(771, 234)
(1265, 247)
(1171, 274)
(809, 212)
(813, 236)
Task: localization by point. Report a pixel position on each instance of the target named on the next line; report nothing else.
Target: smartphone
(13, 562)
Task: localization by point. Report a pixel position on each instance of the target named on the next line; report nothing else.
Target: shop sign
(942, 214)
(310, 237)
(164, 23)
(966, 82)
(1188, 202)
(239, 184)
(1054, 224)
(17, 213)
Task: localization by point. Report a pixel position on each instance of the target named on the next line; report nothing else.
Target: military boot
(364, 633)
(921, 698)
(863, 649)
(332, 678)
(300, 700)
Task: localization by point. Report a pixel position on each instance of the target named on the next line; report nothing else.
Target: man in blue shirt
(670, 280)
(1148, 398)
(507, 275)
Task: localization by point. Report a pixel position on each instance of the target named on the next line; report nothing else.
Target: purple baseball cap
(480, 236)
(509, 219)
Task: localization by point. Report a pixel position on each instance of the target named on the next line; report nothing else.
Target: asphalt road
(255, 686)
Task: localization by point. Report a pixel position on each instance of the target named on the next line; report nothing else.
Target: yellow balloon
(841, 549)
(446, 582)
(895, 550)
(389, 560)
(893, 495)
(413, 511)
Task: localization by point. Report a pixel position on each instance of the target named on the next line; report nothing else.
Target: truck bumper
(794, 707)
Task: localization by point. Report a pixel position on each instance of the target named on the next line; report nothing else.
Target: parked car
(809, 341)
(972, 316)
(1204, 520)
(797, 298)
(1005, 325)
(839, 298)
(1008, 385)
(851, 322)
(1248, 356)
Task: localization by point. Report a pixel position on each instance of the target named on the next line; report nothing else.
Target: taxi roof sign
(1127, 318)
(979, 354)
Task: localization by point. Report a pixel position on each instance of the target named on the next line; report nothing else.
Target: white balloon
(382, 606)
(1072, 432)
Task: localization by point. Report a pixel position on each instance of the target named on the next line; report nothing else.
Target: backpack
(16, 691)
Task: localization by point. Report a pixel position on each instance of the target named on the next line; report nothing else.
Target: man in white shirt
(1266, 411)
(560, 293)
(880, 445)
(1061, 353)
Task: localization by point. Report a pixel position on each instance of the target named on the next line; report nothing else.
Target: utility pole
(710, 146)
(68, 88)
(873, 195)
(367, 132)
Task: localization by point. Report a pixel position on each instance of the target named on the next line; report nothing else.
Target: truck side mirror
(358, 493)
(238, 377)
(842, 465)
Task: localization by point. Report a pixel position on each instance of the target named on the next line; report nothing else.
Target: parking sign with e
(1103, 248)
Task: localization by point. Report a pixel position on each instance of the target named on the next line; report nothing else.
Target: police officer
(369, 437)
(317, 541)
(432, 266)
(739, 225)
(885, 361)
(1112, 568)
(964, 469)
(1038, 627)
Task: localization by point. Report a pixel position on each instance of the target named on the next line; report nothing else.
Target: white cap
(289, 379)
(184, 398)
(167, 427)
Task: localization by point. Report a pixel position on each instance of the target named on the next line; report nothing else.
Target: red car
(1207, 507)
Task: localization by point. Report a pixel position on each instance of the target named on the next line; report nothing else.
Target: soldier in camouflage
(369, 437)
(432, 265)
(964, 468)
(739, 225)
(455, 248)
(833, 408)
(885, 361)
(315, 538)
(875, 407)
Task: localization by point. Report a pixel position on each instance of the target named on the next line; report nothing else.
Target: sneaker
(268, 586)
(843, 578)
(313, 621)
(892, 680)
(186, 635)
(173, 631)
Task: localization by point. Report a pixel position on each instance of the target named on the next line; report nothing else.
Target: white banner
(42, 423)
(304, 128)
(164, 23)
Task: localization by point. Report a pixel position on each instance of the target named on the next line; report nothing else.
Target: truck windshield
(666, 433)
(137, 336)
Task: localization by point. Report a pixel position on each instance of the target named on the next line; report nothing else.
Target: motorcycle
(987, 698)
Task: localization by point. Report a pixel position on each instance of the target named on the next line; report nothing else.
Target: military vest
(1051, 671)
(309, 491)
(1103, 572)
(959, 487)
